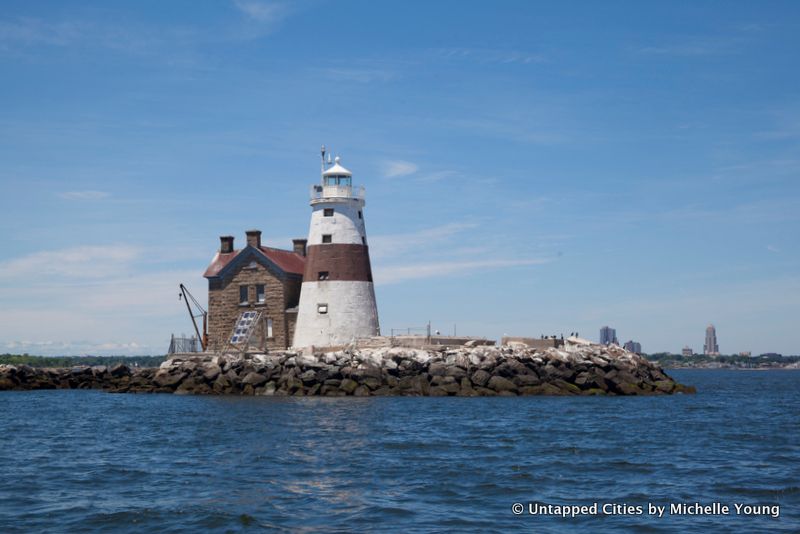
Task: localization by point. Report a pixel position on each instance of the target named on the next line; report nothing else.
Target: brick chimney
(300, 246)
(254, 238)
(226, 244)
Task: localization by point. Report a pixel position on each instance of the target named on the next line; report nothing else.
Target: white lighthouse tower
(337, 299)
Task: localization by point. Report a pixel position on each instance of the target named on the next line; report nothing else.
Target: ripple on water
(90, 461)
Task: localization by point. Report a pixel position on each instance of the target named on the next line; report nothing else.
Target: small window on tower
(323, 275)
(363, 240)
(328, 212)
(243, 295)
(326, 238)
(359, 214)
(322, 308)
(261, 296)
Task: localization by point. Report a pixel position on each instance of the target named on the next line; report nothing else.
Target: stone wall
(281, 292)
(478, 371)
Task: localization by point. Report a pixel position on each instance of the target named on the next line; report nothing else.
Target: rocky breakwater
(579, 368)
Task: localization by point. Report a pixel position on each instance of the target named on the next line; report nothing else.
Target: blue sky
(530, 168)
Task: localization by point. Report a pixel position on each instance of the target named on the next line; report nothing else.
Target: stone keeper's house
(255, 278)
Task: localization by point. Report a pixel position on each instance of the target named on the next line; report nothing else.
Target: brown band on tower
(337, 262)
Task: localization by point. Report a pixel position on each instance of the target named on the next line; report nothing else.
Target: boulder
(254, 379)
(165, 378)
(348, 385)
(498, 383)
(480, 377)
(211, 372)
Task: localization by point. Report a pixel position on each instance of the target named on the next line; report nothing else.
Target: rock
(166, 379)
(310, 376)
(498, 383)
(120, 370)
(212, 372)
(480, 378)
(665, 386)
(361, 391)
(348, 385)
(254, 379)
(437, 369)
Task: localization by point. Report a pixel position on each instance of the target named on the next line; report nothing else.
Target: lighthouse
(337, 297)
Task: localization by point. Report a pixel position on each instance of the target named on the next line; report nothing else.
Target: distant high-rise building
(633, 346)
(710, 348)
(687, 351)
(608, 336)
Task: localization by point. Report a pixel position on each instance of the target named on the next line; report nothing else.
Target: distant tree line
(668, 359)
(72, 361)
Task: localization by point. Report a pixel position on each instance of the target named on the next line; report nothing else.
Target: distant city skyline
(529, 167)
(608, 336)
(710, 347)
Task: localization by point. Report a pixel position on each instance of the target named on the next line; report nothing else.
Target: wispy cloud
(689, 46)
(773, 248)
(382, 246)
(82, 347)
(115, 312)
(262, 17)
(392, 169)
(365, 75)
(77, 262)
(266, 12)
(489, 55)
(33, 31)
(399, 273)
(84, 195)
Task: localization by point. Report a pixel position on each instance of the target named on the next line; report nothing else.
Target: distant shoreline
(787, 367)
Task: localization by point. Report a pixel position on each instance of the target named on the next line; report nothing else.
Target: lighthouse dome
(337, 169)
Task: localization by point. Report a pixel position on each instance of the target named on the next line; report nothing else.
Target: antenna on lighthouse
(322, 153)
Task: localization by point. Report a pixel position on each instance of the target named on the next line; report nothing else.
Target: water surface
(91, 461)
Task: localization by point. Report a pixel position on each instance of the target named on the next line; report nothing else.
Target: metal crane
(187, 296)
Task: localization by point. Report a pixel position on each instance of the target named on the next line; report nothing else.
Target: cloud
(32, 31)
(692, 47)
(78, 262)
(357, 75)
(392, 169)
(84, 195)
(261, 17)
(126, 313)
(393, 274)
(488, 55)
(437, 176)
(264, 12)
(773, 248)
(81, 347)
(382, 246)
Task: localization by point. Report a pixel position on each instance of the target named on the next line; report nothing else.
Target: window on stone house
(269, 328)
(261, 294)
(243, 299)
(327, 238)
(322, 308)
(322, 275)
(328, 212)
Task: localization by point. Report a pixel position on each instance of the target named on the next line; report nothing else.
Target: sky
(530, 168)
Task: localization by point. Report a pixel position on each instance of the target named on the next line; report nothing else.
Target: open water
(95, 462)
